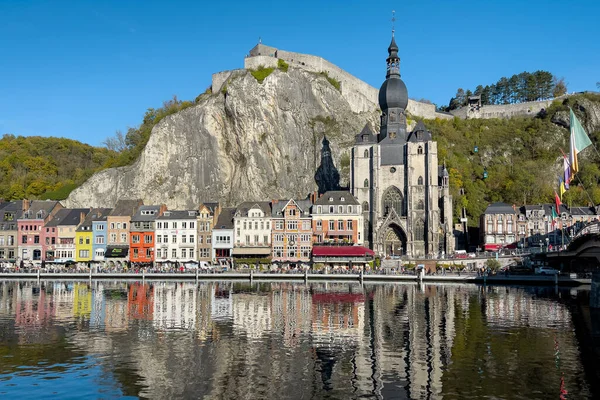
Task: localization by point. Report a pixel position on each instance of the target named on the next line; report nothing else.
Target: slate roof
(582, 211)
(94, 215)
(103, 217)
(336, 196)
(36, 206)
(367, 134)
(499, 208)
(67, 217)
(14, 207)
(125, 208)
(225, 220)
(212, 206)
(178, 214)
(277, 207)
(242, 209)
(425, 134)
(141, 217)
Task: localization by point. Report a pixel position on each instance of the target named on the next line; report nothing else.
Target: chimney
(81, 217)
(25, 205)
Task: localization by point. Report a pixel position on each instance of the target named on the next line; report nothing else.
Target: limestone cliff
(247, 141)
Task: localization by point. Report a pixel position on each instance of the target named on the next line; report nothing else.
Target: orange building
(141, 238)
(337, 218)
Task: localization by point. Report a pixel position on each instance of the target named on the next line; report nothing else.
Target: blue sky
(84, 69)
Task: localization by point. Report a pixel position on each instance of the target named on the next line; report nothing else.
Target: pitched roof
(35, 206)
(125, 208)
(68, 217)
(245, 207)
(500, 208)
(146, 213)
(366, 135)
(12, 207)
(425, 134)
(225, 220)
(212, 206)
(335, 197)
(277, 206)
(178, 214)
(93, 215)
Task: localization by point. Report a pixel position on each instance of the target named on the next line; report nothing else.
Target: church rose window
(392, 199)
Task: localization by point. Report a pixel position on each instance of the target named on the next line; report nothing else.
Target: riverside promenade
(540, 280)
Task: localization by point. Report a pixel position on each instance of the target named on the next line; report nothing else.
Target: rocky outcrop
(249, 141)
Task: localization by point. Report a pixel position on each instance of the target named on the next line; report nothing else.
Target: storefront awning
(342, 251)
(492, 246)
(116, 251)
(251, 251)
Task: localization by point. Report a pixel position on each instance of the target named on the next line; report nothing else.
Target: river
(235, 340)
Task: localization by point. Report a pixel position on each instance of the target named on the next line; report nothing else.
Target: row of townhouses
(538, 226)
(329, 228)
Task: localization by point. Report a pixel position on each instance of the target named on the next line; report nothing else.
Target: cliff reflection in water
(284, 340)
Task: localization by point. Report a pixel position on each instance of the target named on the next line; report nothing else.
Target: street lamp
(547, 243)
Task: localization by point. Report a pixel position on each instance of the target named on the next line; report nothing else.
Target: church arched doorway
(394, 241)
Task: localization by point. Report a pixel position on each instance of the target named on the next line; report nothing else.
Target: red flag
(557, 201)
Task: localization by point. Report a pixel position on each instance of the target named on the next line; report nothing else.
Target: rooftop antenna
(393, 22)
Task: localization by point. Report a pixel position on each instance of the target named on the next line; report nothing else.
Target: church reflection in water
(225, 339)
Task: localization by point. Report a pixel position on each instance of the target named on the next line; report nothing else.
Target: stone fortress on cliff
(363, 97)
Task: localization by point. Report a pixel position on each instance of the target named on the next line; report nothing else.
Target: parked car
(520, 269)
(546, 271)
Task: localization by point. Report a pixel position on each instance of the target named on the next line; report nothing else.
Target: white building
(223, 236)
(176, 236)
(252, 222)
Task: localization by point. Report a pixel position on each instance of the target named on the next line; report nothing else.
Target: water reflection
(284, 340)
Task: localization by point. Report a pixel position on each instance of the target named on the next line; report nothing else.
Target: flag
(562, 189)
(579, 140)
(557, 201)
(554, 216)
(567, 170)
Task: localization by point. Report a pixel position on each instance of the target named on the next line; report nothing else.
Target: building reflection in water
(227, 339)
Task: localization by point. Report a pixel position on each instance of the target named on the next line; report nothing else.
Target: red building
(31, 228)
(141, 238)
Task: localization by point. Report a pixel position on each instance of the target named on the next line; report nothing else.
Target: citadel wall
(530, 108)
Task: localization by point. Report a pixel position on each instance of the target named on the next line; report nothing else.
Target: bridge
(584, 248)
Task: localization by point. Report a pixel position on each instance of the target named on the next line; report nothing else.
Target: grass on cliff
(334, 82)
(282, 65)
(261, 73)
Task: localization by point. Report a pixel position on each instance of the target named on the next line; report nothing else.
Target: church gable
(366, 136)
(419, 134)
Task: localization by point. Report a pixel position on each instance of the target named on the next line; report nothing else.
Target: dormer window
(340, 209)
(40, 214)
(319, 210)
(330, 199)
(330, 209)
(342, 199)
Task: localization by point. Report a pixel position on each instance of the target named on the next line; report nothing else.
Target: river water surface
(225, 340)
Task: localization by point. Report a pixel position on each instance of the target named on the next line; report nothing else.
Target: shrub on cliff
(261, 73)
(282, 65)
(334, 82)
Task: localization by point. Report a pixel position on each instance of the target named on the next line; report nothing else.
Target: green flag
(580, 138)
(554, 214)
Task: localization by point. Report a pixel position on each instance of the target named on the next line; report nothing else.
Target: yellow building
(84, 237)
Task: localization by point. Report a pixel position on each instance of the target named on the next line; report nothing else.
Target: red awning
(342, 251)
(492, 246)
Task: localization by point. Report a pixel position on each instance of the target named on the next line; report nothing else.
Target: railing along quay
(463, 277)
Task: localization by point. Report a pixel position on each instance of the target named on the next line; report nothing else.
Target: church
(395, 175)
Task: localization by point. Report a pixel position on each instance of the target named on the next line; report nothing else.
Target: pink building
(30, 228)
(291, 226)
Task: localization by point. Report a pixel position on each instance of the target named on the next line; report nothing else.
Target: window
(292, 225)
(366, 154)
(99, 240)
(174, 253)
(159, 225)
(200, 239)
(392, 200)
(158, 253)
(266, 239)
(148, 239)
(331, 225)
(184, 225)
(420, 181)
(24, 239)
(349, 224)
(174, 225)
(158, 238)
(245, 226)
(118, 225)
(166, 225)
(305, 237)
(123, 238)
(112, 225)
(278, 251)
(84, 254)
(331, 210)
(255, 239)
(420, 150)
(192, 239)
(420, 204)
(278, 238)
(81, 240)
(208, 239)
(148, 253)
(174, 239)
(247, 239)
(135, 252)
(183, 238)
(306, 225)
(183, 253)
(305, 251)
(365, 206)
(419, 230)
(340, 225)
(349, 209)
(340, 209)
(366, 184)
(268, 225)
(500, 226)
(204, 253)
(191, 253)
(192, 225)
(319, 209)
(292, 211)
(135, 238)
(292, 252)
(319, 225)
